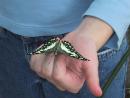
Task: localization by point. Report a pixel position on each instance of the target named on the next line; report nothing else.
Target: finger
(57, 85)
(91, 73)
(39, 62)
(66, 77)
(47, 66)
(42, 64)
(59, 70)
(36, 62)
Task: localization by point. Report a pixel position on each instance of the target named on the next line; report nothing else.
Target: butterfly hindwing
(47, 47)
(68, 49)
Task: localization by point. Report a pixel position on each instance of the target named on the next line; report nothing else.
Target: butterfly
(55, 45)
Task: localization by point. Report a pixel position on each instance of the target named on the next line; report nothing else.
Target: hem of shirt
(33, 31)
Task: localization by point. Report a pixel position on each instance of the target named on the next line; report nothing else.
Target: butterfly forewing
(55, 45)
(68, 49)
(47, 47)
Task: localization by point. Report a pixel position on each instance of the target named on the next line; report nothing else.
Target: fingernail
(98, 91)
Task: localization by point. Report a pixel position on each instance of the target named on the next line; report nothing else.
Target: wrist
(96, 30)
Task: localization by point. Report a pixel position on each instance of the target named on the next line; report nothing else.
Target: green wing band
(68, 49)
(47, 47)
(56, 46)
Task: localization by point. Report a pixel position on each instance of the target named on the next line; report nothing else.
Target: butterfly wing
(47, 47)
(68, 49)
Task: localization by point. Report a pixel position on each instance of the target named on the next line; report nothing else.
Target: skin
(69, 74)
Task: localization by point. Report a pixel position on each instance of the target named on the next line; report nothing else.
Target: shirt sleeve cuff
(113, 12)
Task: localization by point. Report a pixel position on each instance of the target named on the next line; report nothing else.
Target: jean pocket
(106, 53)
(109, 58)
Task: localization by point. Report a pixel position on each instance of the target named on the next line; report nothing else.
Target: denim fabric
(17, 80)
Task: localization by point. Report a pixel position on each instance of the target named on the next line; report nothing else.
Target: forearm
(96, 30)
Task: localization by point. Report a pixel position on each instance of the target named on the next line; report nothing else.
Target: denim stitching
(109, 53)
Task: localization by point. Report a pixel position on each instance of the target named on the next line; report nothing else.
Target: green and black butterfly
(55, 45)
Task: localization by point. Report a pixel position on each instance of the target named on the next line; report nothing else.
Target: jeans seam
(25, 54)
(102, 57)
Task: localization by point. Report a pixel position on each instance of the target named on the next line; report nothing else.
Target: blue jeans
(17, 80)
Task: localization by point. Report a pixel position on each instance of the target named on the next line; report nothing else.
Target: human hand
(67, 73)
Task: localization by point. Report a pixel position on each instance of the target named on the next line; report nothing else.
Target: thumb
(90, 70)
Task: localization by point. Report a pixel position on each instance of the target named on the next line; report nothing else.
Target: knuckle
(46, 73)
(75, 91)
(61, 89)
(56, 77)
(36, 68)
(32, 66)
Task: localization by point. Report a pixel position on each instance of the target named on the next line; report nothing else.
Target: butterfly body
(56, 46)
